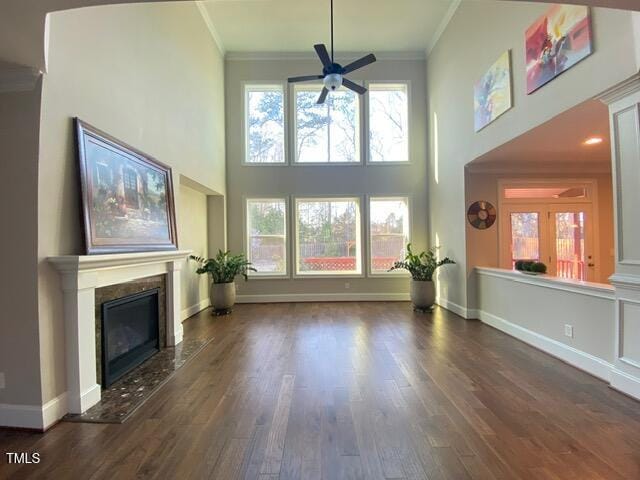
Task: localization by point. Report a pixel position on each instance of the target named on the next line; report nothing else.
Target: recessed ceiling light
(593, 141)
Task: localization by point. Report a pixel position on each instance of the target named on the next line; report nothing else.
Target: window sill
(297, 276)
(388, 163)
(327, 164)
(265, 164)
(270, 277)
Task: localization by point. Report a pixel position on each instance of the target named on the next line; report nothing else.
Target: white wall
(246, 181)
(19, 353)
(150, 75)
(475, 37)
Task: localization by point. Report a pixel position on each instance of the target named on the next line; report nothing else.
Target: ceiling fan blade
(323, 96)
(306, 78)
(359, 89)
(362, 62)
(321, 50)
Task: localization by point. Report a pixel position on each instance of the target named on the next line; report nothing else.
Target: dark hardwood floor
(354, 390)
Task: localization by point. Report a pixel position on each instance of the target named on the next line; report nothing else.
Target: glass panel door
(571, 253)
(525, 236)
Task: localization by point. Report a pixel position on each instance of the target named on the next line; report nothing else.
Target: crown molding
(18, 78)
(300, 56)
(621, 90)
(212, 29)
(443, 25)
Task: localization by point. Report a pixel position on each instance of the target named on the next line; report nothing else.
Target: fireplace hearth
(130, 333)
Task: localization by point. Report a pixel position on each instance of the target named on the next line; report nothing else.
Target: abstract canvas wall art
(556, 42)
(492, 94)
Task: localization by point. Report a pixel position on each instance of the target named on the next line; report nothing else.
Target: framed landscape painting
(492, 94)
(127, 196)
(556, 42)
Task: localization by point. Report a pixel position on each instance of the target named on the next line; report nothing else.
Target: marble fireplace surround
(81, 276)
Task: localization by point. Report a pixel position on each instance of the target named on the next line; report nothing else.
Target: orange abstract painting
(556, 42)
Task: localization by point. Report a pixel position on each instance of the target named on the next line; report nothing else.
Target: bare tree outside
(388, 123)
(327, 132)
(265, 124)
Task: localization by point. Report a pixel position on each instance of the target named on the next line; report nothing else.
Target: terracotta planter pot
(423, 294)
(223, 297)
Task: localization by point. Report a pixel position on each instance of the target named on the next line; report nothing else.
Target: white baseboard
(193, 309)
(464, 312)
(473, 314)
(625, 383)
(54, 410)
(579, 359)
(324, 297)
(34, 416)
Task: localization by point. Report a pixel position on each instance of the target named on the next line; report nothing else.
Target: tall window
(388, 230)
(264, 117)
(267, 235)
(327, 133)
(388, 123)
(328, 236)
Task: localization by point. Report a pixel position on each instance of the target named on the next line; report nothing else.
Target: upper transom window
(264, 124)
(327, 133)
(388, 123)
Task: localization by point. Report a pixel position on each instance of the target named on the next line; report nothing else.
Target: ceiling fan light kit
(333, 73)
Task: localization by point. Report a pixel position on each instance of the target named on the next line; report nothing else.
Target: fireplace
(130, 333)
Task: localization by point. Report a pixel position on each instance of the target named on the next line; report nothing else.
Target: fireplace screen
(130, 333)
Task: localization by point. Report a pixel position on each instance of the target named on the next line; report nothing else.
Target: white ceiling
(557, 141)
(360, 25)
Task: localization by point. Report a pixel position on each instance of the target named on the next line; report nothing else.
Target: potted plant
(223, 269)
(421, 266)
(531, 267)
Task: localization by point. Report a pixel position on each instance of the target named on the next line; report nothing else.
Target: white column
(174, 325)
(80, 340)
(624, 114)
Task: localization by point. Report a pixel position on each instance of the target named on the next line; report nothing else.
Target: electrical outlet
(568, 331)
(347, 285)
(1, 380)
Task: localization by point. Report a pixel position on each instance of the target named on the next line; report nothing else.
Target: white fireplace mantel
(81, 275)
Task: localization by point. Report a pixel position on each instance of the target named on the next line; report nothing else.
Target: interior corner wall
(193, 227)
(325, 180)
(19, 352)
(476, 36)
(148, 74)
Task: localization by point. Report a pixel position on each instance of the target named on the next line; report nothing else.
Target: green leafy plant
(224, 267)
(530, 266)
(421, 265)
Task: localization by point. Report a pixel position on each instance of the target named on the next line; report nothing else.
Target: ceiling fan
(333, 73)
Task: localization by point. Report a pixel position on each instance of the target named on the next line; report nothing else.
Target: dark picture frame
(127, 196)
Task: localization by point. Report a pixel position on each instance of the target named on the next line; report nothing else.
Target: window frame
(360, 225)
(287, 235)
(293, 129)
(396, 273)
(276, 84)
(367, 121)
